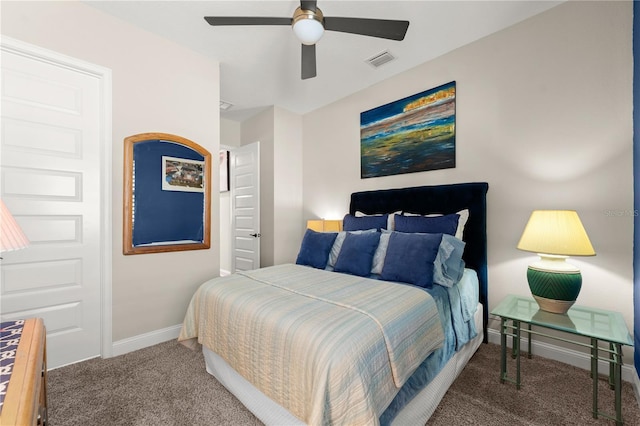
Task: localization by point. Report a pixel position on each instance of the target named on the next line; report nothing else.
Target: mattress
(332, 348)
(419, 408)
(415, 412)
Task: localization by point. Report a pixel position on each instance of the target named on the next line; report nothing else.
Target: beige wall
(543, 114)
(229, 138)
(280, 135)
(260, 128)
(157, 87)
(287, 177)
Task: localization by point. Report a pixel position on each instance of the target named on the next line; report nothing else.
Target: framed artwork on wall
(181, 174)
(167, 195)
(224, 170)
(413, 134)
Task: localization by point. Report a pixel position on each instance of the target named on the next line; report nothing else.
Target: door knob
(255, 235)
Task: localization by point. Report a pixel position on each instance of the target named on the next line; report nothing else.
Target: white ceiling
(260, 66)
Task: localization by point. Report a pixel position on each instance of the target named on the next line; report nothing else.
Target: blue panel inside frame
(160, 216)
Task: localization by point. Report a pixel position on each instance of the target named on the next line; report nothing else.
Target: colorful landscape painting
(413, 134)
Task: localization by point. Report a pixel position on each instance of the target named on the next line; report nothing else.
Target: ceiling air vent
(380, 59)
(224, 106)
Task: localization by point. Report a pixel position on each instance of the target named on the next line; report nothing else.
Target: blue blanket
(456, 306)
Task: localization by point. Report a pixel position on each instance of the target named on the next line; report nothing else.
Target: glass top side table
(595, 324)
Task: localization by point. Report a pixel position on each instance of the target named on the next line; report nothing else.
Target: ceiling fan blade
(308, 61)
(382, 28)
(246, 20)
(308, 5)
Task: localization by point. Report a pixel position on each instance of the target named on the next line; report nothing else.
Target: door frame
(229, 242)
(104, 77)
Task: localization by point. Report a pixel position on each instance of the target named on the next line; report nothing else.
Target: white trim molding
(145, 340)
(545, 350)
(104, 77)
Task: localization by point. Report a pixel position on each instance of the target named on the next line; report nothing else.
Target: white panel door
(51, 182)
(245, 207)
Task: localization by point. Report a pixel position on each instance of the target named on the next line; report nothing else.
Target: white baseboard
(224, 272)
(546, 350)
(142, 341)
(568, 356)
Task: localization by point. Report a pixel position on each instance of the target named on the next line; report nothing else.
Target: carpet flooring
(167, 384)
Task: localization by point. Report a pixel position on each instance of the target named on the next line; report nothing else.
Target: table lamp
(554, 235)
(324, 225)
(11, 235)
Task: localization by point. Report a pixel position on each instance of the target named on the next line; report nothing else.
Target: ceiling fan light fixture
(307, 25)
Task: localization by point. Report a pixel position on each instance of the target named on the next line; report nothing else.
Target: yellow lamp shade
(558, 232)
(322, 225)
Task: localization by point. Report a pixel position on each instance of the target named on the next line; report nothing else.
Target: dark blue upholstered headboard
(443, 199)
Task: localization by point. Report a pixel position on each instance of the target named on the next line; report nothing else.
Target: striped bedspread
(330, 348)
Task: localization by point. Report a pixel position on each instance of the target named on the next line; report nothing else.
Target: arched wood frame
(152, 156)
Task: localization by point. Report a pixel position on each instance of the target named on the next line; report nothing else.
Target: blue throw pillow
(315, 248)
(447, 224)
(353, 223)
(337, 245)
(356, 254)
(410, 258)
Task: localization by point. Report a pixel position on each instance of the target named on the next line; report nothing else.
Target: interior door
(245, 207)
(51, 181)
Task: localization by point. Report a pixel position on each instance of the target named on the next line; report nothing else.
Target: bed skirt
(417, 411)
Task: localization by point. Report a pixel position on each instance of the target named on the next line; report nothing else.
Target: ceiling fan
(309, 24)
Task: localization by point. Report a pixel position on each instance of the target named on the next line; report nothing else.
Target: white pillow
(462, 221)
(390, 219)
(380, 253)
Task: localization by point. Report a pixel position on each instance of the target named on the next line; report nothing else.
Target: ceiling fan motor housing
(308, 25)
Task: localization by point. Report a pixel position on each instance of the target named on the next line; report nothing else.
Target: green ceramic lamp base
(554, 284)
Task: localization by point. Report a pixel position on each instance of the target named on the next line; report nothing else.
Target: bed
(315, 345)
